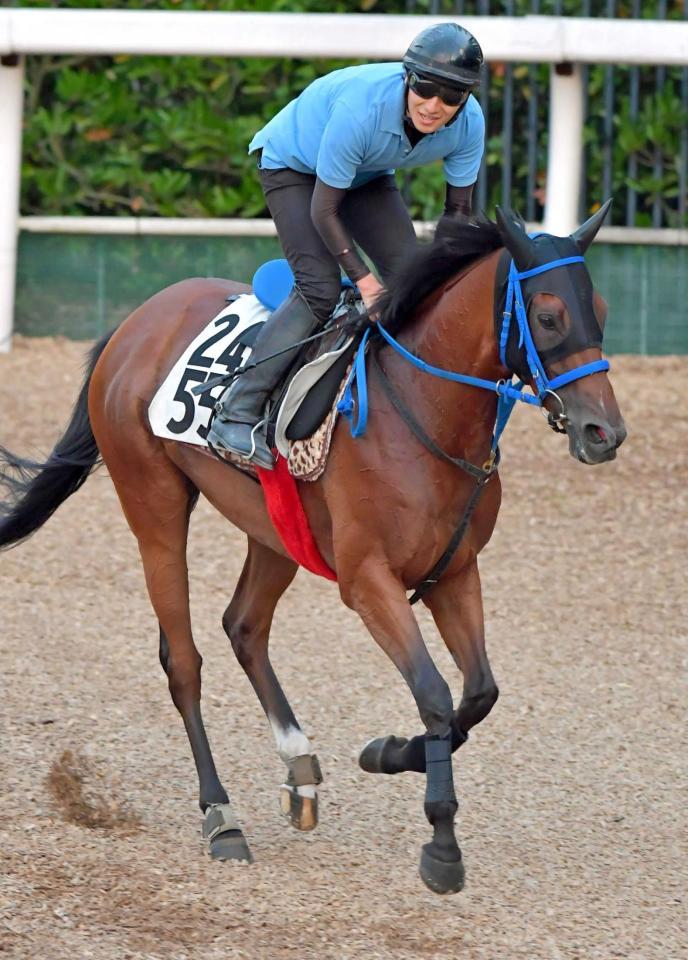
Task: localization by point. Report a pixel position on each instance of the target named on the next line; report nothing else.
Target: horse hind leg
(247, 620)
(158, 509)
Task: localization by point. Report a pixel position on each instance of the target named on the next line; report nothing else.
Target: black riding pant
(374, 213)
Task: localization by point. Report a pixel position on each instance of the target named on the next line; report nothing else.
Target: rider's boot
(239, 424)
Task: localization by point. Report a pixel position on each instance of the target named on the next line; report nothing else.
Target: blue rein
(508, 391)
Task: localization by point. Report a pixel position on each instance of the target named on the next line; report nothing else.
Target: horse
(384, 508)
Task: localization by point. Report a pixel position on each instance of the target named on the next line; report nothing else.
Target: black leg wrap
(438, 766)
(441, 867)
(458, 736)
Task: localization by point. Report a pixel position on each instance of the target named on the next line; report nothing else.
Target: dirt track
(573, 792)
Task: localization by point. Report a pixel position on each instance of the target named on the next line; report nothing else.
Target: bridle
(509, 393)
(541, 384)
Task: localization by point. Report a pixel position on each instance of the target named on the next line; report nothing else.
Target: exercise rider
(326, 164)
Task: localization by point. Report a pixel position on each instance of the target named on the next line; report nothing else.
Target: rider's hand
(371, 289)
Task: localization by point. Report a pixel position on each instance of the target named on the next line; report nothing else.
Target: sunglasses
(427, 89)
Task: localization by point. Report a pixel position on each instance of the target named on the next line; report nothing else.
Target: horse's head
(559, 332)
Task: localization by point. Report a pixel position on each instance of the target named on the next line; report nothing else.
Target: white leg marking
(292, 742)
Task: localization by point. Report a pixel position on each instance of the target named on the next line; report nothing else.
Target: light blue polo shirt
(348, 127)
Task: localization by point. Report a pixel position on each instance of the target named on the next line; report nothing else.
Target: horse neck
(454, 330)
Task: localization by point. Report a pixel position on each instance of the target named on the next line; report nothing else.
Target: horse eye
(547, 321)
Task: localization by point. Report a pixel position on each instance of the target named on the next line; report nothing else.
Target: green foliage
(167, 136)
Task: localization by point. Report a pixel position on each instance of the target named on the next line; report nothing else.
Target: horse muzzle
(594, 441)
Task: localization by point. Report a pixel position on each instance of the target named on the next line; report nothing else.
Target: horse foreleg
(457, 608)
(157, 504)
(381, 601)
(247, 620)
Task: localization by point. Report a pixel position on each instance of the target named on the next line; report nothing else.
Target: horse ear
(515, 238)
(585, 234)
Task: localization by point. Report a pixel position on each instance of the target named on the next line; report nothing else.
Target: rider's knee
(321, 295)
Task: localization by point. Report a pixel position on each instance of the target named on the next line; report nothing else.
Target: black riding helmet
(446, 52)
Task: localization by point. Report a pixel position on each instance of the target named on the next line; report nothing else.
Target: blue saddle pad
(272, 283)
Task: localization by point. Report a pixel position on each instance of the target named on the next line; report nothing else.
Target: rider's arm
(461, 167)
(325, 216)
(343, 147)
(457, 208)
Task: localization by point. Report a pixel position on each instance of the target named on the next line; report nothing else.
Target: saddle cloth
(223, 346)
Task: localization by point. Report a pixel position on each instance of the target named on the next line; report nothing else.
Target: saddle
(305, 396)
(181, 407)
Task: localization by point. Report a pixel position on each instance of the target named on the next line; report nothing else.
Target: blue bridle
(508, 391)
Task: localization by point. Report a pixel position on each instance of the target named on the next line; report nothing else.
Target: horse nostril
(595, 434)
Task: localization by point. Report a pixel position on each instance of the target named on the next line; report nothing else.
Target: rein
(480, 474)
(509, 393)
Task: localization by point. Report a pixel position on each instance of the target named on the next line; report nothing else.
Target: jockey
(326, 164)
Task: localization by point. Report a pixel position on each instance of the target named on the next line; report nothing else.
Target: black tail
(35, 489)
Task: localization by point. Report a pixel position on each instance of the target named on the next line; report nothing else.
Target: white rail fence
(565, 43)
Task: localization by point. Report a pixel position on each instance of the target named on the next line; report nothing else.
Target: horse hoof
(230, 846)
(441, 876)
(302, 811)
(222, 831)
(371, 757)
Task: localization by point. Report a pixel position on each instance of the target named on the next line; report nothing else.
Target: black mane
(461, 244)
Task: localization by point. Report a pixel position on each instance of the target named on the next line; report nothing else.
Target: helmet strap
(456, 115)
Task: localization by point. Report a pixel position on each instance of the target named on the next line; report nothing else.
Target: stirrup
(259, 454)
(249, 457)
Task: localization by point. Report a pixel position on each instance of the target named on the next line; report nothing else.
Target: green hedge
(167, 136)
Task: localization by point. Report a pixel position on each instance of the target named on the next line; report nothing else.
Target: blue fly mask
(543, 264)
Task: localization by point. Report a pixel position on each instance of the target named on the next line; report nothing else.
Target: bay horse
(382, 512)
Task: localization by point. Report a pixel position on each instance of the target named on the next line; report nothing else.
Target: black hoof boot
(230, 846)
(441, 876)
(377, 755)
(224, 835)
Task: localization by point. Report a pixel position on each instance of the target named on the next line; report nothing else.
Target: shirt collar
(394, 109)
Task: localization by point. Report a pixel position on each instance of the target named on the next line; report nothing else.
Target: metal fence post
(564, 155)
(11, 103)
